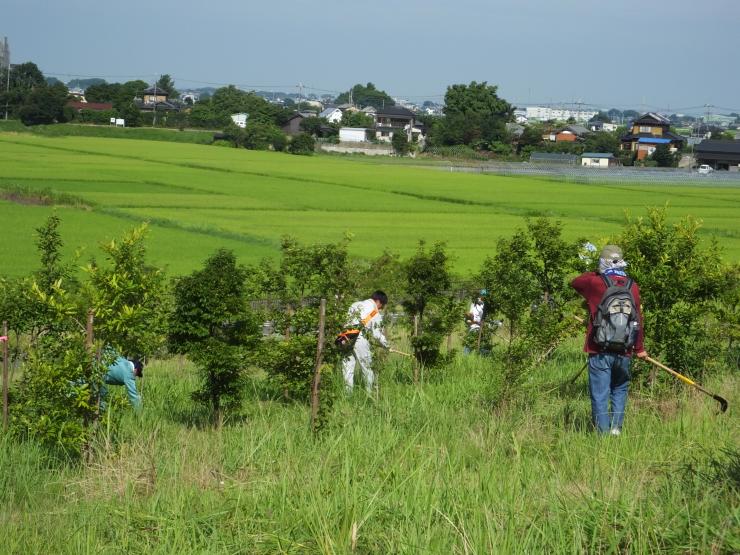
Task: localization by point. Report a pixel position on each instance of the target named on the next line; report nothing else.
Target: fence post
(317, 369)
(4, 341)
(415, 362)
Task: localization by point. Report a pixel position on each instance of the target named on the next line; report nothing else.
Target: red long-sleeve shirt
(591, 287)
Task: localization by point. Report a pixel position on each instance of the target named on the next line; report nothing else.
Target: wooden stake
(317, 369)
(415, 361)
(5, 374)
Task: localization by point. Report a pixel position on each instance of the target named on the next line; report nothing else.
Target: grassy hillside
(199, 198)
(424, 469)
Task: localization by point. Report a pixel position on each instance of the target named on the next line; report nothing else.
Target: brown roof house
(648, 132)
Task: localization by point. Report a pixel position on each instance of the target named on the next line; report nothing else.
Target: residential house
(721, 155)
(155, 100)
(332, 115)
(154, 94)
(602, 126)
(649, 131)
(598, 160)
(393, 119)
(293, 125)
(369, 110)
(569, 134)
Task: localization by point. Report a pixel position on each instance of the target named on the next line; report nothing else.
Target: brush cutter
(722, 402)
(399, 352)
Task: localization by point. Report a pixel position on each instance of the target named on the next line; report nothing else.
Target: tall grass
(433, 468)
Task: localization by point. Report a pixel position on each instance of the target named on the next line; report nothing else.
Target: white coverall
(476, 310)
(361, 352)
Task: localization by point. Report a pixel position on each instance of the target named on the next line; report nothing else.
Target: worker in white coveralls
(367, 318)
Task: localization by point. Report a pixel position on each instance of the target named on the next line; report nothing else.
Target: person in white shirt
(474, 320)
(366, 316)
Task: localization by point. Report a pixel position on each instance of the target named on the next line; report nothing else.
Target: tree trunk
(317, 368)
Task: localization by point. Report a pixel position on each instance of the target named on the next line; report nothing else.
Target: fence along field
(202, 197)
(431, 467)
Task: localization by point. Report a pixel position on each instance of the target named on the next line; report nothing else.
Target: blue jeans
(608, 379)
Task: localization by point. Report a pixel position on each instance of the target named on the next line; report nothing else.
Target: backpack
(346, 339)
(616, 321)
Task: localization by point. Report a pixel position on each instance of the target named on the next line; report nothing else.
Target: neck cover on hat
(607, 266)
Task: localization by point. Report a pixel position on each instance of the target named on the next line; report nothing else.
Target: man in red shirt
(608, 371)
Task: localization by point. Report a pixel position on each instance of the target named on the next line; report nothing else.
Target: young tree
(128, 297)
(664, 158)
(427, 279)
(679, 279)
(400, 143)
(211, 323)
(49, 244)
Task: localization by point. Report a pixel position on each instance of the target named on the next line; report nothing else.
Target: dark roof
(577, 129)
(155, 90)
(597, 155)
(651, 118)
(395, 111)
(553, 157)
(166, 106)
(718, 147)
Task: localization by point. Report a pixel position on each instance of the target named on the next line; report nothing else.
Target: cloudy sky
(662, 54)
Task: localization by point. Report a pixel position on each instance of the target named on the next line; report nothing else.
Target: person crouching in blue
(123, 371)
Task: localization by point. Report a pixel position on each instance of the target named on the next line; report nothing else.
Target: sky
(668, 55)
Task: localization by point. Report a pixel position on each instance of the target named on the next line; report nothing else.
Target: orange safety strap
(369, 317)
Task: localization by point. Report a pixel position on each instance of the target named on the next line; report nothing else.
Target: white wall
(352, 134)
(595, 162)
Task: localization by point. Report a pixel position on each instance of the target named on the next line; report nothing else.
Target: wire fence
(580, 174)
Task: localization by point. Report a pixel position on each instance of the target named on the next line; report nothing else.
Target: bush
(211, 323)
(680, 282)
(303, 144)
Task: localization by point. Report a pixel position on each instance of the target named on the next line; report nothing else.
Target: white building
(546, 113)
(353, 134)
(598, 160)
(332, 115)
(240, 120)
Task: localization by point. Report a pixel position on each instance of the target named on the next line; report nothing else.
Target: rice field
(198, 198)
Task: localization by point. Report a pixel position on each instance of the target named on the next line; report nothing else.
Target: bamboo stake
(317, 369)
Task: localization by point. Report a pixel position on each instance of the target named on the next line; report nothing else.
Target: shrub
(128, 297)
(211, 323)
(427, 280)
(679, 280)
(303, 144)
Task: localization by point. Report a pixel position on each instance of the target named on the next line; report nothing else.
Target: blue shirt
(121, 372)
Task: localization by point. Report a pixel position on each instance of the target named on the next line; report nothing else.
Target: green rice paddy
(198, 198)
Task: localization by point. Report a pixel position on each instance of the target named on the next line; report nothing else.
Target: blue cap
(483, 292)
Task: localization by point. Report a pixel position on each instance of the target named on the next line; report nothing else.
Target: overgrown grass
(433, 468)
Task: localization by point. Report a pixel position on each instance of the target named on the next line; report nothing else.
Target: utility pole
(154, 120)
(5, 61)
(7, 93)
